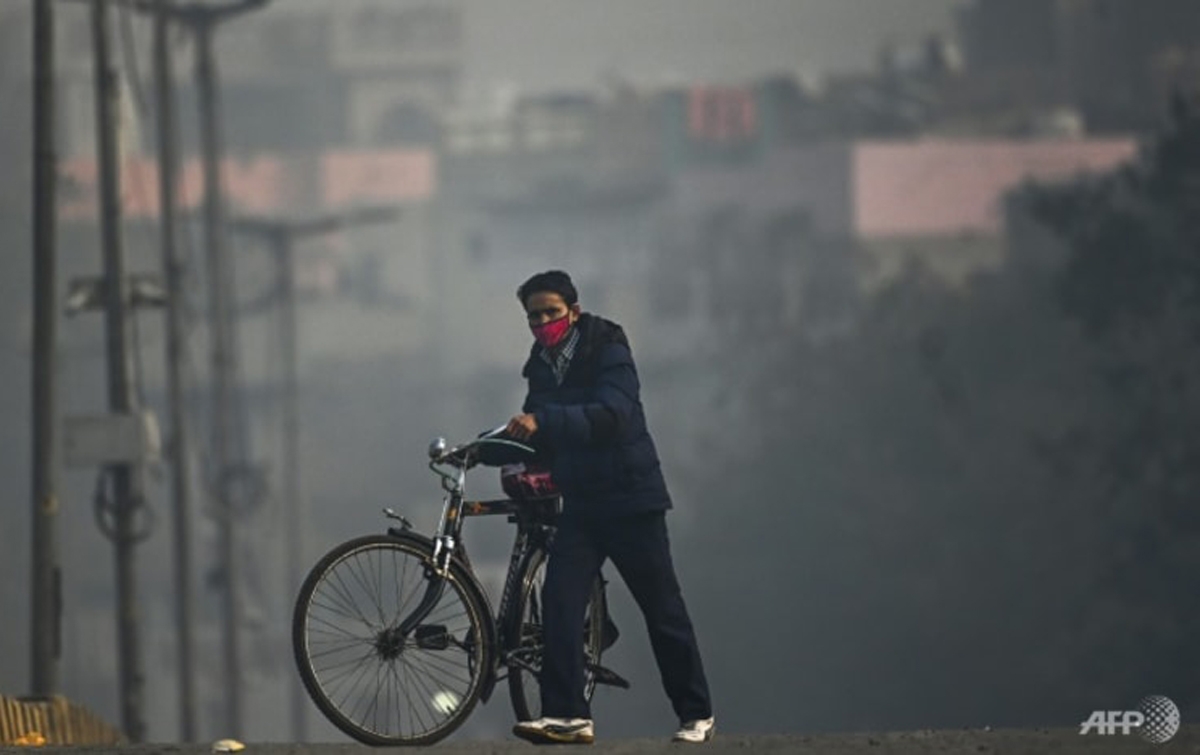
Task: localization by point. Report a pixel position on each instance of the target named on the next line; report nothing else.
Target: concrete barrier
(52, 721)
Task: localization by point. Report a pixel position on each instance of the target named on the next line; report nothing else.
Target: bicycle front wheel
(380, 688)
(524, 640)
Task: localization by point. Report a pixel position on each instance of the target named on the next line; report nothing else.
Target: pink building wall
(261, 185)
(955, 187)
(866, 190)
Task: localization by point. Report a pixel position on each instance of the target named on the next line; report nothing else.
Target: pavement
(1065, 741)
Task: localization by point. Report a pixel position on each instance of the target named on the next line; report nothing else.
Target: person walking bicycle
(583, 413)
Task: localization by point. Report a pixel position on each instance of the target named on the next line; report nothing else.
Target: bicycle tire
(338, 640)
(524, 638)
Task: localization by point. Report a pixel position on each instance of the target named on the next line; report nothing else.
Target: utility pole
(168, 171)
(224, 369)
(202, 21)
(125, 476)
(280, 236)
(46, 631)
(285, 281)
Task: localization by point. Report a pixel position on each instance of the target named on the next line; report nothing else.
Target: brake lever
(493, 432)
(514, 443)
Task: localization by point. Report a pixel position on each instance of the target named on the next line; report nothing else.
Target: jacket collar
(593, 331)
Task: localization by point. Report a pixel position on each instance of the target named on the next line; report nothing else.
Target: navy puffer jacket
(592, 429)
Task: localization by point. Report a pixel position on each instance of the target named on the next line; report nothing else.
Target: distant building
(307, 74)
(698, 190)
(298, 75)
(1116, 61)
(799, 236)
(942, 201)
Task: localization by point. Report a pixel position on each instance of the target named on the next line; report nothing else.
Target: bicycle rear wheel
(524, 639)
(371, 684)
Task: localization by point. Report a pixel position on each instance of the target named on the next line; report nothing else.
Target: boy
(584, 414)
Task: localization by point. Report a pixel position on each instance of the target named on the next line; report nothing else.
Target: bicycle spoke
(431, 677)
(372, 710)
(416, 714)
(335, 614)
(442, 659)
(378, 559)
(336, 682)
(412, 712)
(344, 590)
(429, 663)
(318, 654)
(334, 604)
(361, 575)
(343, 626)
(380, 708)
(386, 685)
(399, 583)
(427, 694)
(359, 587)
(401, 689)
(363, 696)
(408, 605)
(435, 616)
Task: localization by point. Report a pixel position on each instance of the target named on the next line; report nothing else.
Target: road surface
(1066, 741)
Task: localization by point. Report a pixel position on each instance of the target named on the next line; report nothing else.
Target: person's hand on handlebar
(522, 426)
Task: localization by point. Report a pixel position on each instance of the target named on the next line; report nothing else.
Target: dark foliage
(980, 506)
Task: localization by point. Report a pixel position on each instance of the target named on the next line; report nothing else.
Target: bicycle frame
(533, 529)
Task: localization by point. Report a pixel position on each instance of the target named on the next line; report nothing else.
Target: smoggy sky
(547, 44)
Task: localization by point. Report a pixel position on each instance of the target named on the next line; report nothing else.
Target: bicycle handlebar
(460, 455)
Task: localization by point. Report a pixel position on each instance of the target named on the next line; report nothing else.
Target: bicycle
(394, 636)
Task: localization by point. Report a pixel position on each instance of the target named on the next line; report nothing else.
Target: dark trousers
(639, 549)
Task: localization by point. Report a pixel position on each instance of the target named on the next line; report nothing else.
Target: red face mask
(550, 334)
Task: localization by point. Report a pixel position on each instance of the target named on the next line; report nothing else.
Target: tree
(1132, 278)
(979, 505)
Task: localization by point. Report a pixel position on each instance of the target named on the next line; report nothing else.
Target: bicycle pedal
(608, 677)
(431, 637)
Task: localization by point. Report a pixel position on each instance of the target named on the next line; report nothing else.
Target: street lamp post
(280, 236)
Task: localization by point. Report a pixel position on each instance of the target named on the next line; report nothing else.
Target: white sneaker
(696, 731)
(574, 731)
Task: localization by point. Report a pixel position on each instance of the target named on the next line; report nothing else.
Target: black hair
(551, 281)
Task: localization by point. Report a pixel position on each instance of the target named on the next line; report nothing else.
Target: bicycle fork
(435, 573)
